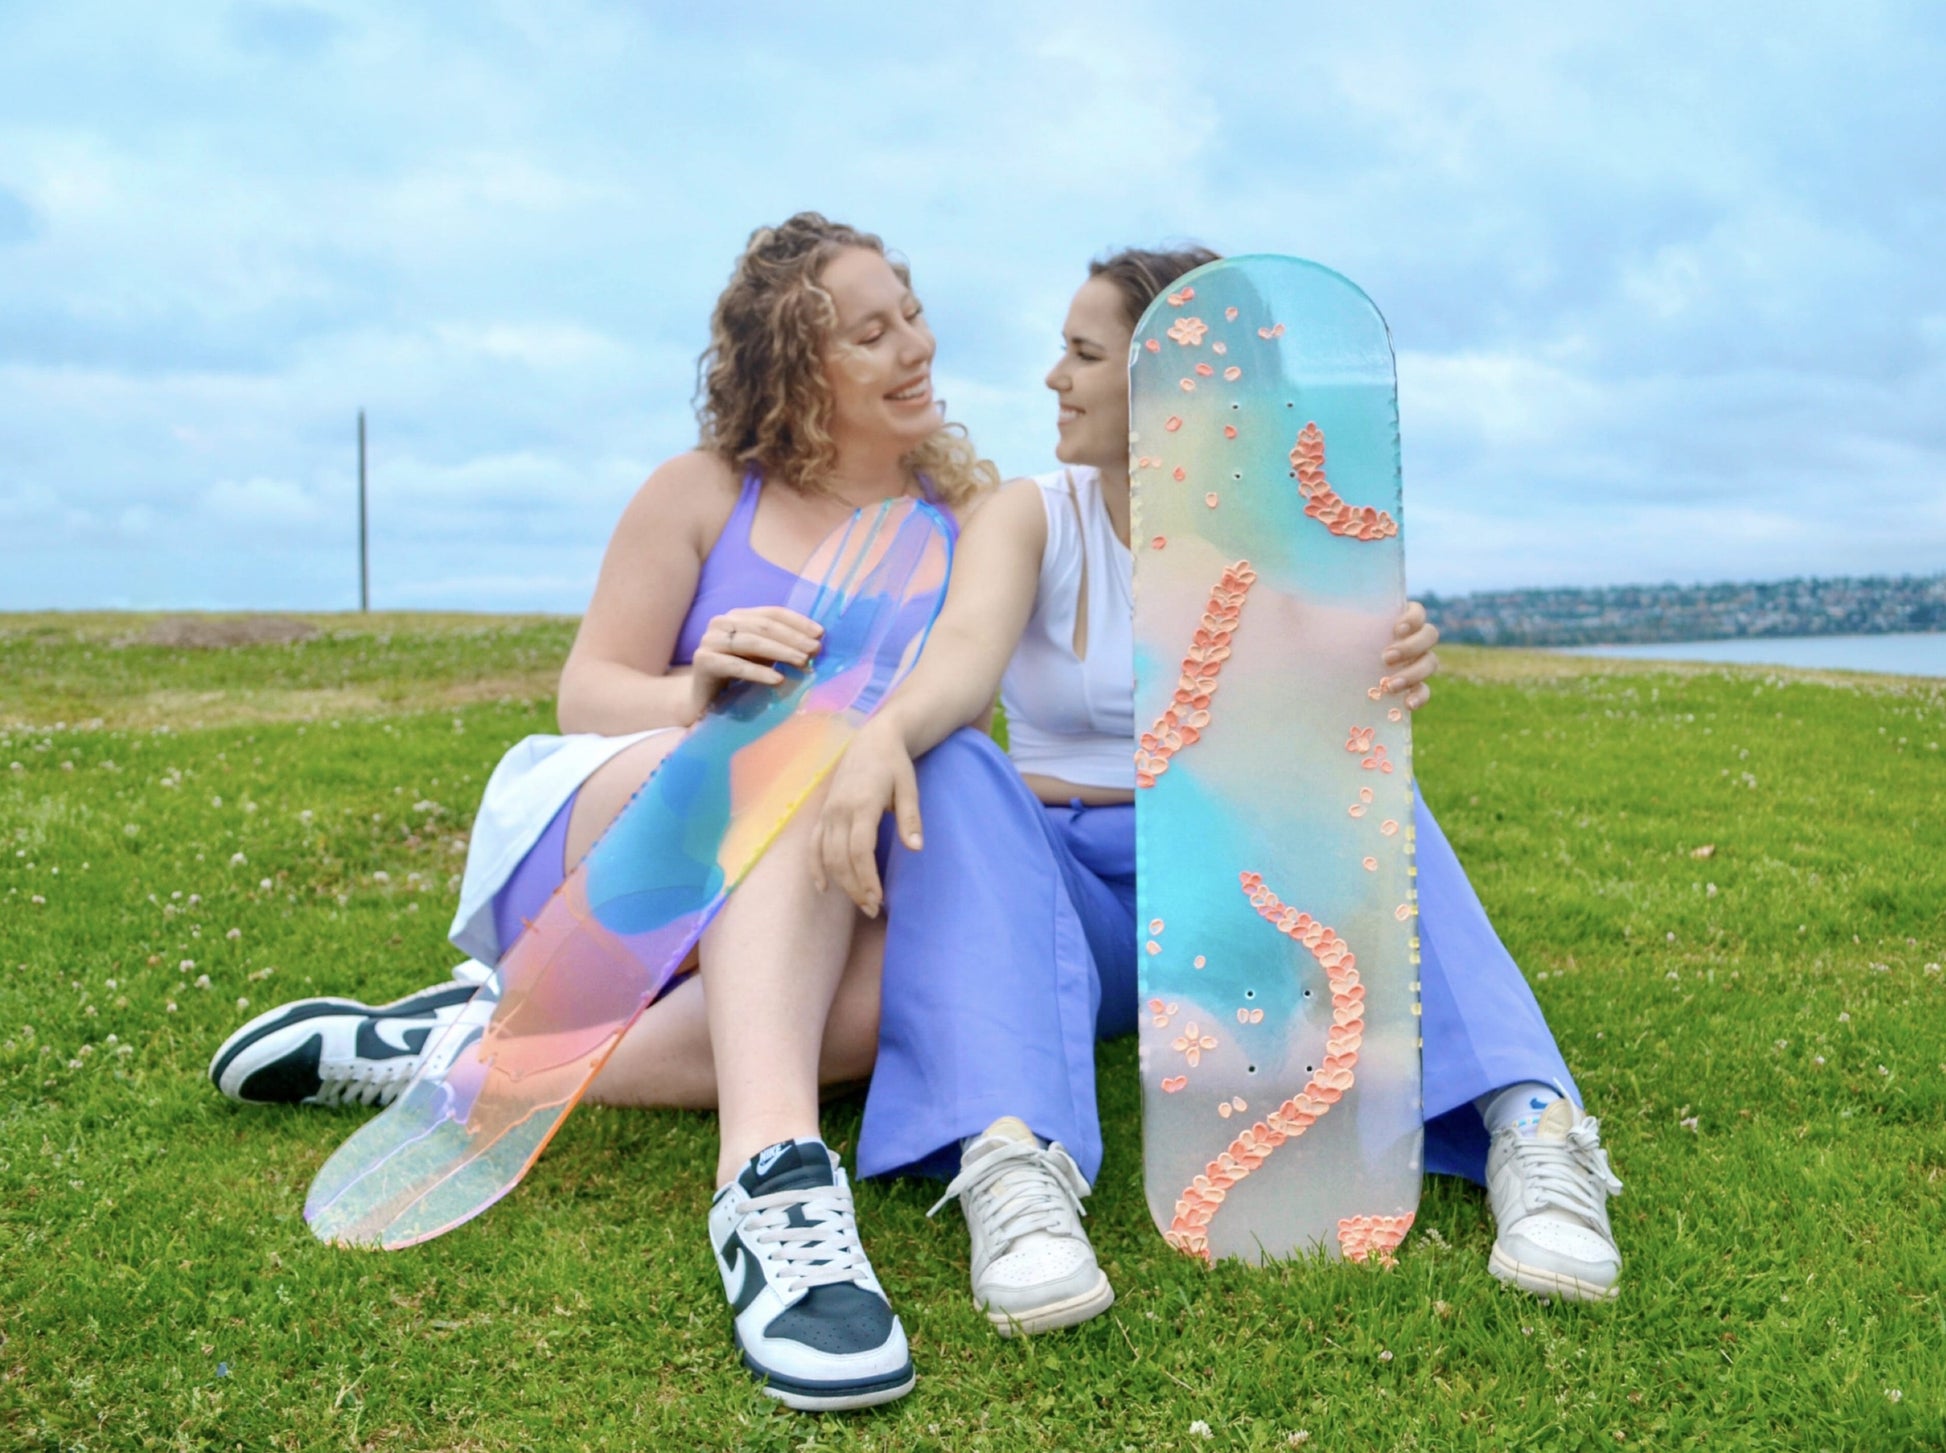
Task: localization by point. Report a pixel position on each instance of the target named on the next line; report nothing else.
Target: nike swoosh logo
(390, 1039)
(735, 1254)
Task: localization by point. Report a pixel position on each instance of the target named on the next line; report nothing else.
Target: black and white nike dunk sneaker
(811, 1320)
(335, 1051)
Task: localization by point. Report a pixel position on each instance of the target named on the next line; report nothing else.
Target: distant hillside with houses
(1651, 614)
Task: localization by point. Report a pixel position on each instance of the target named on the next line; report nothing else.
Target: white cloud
(1659, 276)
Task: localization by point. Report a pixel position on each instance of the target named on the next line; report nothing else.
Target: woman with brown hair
(1040, 609)
(815, 401)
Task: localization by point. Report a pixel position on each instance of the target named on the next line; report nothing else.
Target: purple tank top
(734, 575)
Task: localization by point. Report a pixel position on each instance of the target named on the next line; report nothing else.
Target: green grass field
(1727, 886)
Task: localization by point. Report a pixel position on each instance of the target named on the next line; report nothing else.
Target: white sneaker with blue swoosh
(811, 1320)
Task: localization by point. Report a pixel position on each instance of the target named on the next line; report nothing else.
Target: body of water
(1901, 653)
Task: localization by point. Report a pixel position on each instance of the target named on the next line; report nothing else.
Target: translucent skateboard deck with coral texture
(1280, 1029)
(498, 1083)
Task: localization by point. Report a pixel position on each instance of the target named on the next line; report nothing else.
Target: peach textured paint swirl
(1280, 1045)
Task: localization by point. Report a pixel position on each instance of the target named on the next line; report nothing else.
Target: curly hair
(761, 396)
(1139, 274)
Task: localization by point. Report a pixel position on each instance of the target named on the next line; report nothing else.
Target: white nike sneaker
(1549, 1192)
(1033, 1267)
(811, 1320)
(335, 1051)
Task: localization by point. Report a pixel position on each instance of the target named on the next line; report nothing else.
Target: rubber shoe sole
(829, 1397)
(1069, 1312)
(1544, 1283)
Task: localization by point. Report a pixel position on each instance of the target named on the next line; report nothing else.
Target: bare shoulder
(1015, 510)
(690, 496)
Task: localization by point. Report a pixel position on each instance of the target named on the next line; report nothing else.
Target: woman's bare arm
(996, 573)
(618, 677)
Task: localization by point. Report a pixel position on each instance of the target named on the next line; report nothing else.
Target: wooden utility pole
(364, 560)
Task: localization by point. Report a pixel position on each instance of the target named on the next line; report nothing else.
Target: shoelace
(363, 1082)
(1018, 1189)
(1565, 1174)
(822, 1252)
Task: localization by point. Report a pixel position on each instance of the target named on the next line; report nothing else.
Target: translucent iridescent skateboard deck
(1280, 1030)
(498, 1083)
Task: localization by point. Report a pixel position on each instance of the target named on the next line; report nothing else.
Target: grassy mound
(1725, 885)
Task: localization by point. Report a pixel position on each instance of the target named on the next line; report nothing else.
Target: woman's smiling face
(1091, 379)
(878, 358)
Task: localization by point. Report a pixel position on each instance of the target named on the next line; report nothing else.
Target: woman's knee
(610, 787)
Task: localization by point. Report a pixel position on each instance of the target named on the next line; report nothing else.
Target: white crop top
(1068, 717)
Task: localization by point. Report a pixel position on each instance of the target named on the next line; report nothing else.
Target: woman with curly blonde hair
(815, 400)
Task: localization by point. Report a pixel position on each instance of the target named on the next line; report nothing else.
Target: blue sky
(1665, 281)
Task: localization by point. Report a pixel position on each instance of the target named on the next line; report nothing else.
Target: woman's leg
(809, 1315)
(1488, 1049)
(772, 961)
(990, 992)
(665, 1061)
(1482, 1028)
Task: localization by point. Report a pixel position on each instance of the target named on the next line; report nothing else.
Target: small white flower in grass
(1197, 1429)
(242, 1003)
(1893, 1395)
(37, 899)
(381, 876)
(1709, 890)
(306, 815)
(1299, 1438)
(170, 1007)
(1932, 968)
(1844, 1016)
(1692, 1124)
(234, 933)
(237, 860)
(185, 966)
(202, 981)
(263, 885)
(112, 1039)
(130, 829)
(1670, 936)
(1386, 1355)
(1817, 1059)
(216, 802)
(15, 767)
(1883, 1070)
(1672, 975)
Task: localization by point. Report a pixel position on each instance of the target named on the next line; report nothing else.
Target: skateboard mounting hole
(1252, 1069)
(1307, 993)
(1249, 993)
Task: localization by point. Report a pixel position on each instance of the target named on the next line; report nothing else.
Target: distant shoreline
(1897, 653)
